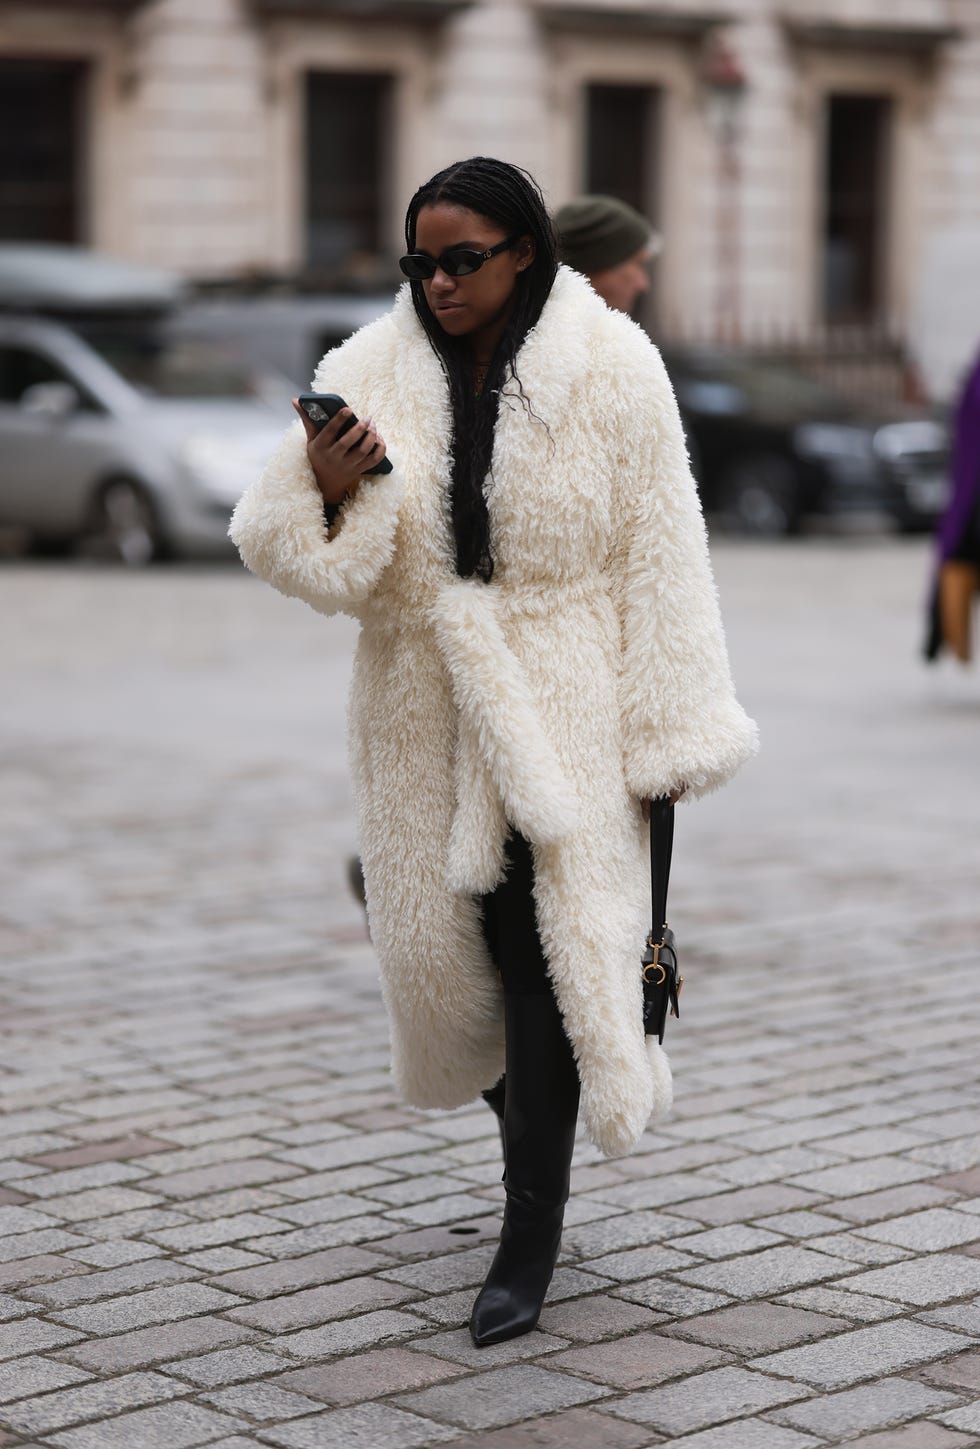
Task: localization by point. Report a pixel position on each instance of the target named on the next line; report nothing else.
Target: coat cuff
(701, 752)
(282, 532)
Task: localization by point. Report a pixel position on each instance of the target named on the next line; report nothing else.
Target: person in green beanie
(611, 244)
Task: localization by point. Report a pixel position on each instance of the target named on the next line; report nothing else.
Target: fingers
(376, 447)
(356, 442)
(365, 445)
(340, 457)
(329, 433)
(309, 427)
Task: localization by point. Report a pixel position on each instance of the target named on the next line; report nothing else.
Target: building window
(621, 144)
(348, 155)
(858, 132)
(42, 143)
(622, 151)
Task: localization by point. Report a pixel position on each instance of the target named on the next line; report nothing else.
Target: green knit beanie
(598, 232)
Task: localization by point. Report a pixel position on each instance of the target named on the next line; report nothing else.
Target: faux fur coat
(589, 673)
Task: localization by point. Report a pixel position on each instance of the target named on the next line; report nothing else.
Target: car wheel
(758, 498)
(125, 526)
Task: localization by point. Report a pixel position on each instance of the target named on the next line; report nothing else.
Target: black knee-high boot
(494, 1097)
(540, 1111)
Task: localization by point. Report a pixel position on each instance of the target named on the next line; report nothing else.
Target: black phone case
(320, 407)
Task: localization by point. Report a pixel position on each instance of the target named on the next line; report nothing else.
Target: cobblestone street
(218, 1224)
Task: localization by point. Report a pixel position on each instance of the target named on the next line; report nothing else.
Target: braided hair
(509, 197)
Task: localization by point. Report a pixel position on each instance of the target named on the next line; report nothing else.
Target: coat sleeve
(682, 724)
(280, 528)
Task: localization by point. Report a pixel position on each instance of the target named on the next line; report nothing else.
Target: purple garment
(965, 497)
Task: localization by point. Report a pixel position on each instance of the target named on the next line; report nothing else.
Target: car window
(721, 383)
(161, 365)
(22, 367)
(710, 395)
(783, 388)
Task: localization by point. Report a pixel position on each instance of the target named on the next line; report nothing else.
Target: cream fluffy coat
(589, 673)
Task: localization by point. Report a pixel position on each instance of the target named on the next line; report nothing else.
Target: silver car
(133, 441)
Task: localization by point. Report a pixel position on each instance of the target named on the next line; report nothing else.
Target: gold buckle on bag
(656, 947)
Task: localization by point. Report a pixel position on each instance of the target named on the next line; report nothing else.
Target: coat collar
(552, 358)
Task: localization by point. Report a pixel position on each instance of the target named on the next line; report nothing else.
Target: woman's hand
(675, 795)
(339, 463)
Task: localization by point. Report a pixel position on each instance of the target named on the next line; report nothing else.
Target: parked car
(131, 418)
(138, 446)
(770, 446)
(283, 333)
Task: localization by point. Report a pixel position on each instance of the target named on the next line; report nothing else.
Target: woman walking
(541, 652)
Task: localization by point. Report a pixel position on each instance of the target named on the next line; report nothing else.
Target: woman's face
(483, 299)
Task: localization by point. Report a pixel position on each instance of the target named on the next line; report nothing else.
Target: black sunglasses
(455, 262)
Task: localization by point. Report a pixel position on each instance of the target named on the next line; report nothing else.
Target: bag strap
(661, 847)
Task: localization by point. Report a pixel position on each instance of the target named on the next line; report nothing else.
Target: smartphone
(320, 407)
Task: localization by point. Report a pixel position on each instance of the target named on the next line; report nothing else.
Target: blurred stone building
(811, 163)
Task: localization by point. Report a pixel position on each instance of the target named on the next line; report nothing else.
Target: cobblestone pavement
(218, 1225)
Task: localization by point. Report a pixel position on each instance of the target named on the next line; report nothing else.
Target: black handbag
(661, 983)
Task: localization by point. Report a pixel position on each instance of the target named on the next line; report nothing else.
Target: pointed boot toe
(511, 1299)
(498, 1314)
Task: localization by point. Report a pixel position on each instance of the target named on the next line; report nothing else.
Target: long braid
(510, 197)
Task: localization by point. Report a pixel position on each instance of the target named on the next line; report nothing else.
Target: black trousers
(509, 924)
